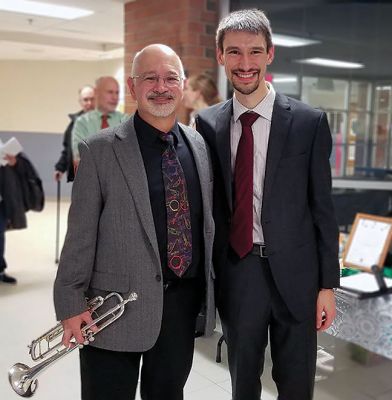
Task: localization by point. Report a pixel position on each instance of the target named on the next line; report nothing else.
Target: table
(365, 322)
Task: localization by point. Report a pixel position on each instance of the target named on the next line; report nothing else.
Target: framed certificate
(369, 241)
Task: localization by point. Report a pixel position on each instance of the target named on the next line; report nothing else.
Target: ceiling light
(291, 41)
(285, 79)
(43, 9)
(326, 62)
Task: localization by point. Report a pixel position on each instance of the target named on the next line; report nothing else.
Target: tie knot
(104, 121)
(168, 138)
(248, 118)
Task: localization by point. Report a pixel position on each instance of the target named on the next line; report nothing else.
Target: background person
(4, 191)
(105, 115)
(20, 191)
(141, 221)
(65, 162)
(200, 91)
(276, 244)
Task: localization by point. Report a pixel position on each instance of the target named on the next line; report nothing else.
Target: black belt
(259, 250)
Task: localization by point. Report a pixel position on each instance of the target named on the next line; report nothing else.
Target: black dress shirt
(152, 148)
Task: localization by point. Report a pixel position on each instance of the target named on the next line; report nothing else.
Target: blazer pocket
(110, 282)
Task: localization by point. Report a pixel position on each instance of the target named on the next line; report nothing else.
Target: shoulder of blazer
(109, 135)
(296, 106)
(209, 114)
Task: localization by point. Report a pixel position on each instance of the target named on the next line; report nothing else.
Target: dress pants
(250, 307)
(3, 264)
(165, 367)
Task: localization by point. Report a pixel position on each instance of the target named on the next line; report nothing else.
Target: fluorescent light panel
(291, 41)
(284, 79)
(326, 62)
(43, 9)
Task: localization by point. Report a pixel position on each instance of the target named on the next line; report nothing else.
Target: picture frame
(368, 242)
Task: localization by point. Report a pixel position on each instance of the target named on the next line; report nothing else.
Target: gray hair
(251, 20)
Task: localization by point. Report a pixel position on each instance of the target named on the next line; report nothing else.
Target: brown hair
(252, 20)
(206, 86)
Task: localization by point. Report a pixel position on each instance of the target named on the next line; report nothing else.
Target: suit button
(158, 278)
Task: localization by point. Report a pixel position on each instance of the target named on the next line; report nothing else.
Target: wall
(44, 92)
(35, 98)
(188, 26)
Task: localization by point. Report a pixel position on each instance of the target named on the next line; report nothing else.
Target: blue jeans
(3, 264)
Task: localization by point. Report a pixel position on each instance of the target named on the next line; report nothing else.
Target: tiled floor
(27, 311)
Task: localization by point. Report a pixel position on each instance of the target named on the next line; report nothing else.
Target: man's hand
(73, 326)
(326, 309)
(58, 175)
(11, 159)
(75, 165)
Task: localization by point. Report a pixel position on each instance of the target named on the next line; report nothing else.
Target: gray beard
(162, 111)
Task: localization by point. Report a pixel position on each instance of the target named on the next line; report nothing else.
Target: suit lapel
(280, 125)
(127, 150)
(222, 128)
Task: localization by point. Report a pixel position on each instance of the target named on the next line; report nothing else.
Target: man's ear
(220, 57)
(131, 87)
(270, 55)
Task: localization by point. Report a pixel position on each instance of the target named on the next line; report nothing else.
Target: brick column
(188, 26)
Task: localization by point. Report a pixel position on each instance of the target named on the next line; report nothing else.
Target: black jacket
(21, 191)
(65, 162)
(299, 225)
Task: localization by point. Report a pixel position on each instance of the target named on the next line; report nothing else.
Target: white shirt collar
(264, 108)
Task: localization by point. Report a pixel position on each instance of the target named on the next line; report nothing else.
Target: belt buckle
(262, 251)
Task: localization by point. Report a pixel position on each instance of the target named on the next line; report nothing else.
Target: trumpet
(23, 379)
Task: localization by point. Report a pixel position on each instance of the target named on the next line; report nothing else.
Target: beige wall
(36, 96)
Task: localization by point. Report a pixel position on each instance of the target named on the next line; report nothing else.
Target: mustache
(155, 94)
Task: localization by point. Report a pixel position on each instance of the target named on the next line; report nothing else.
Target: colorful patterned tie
(179, 233)
(105, 122)
(241, 229)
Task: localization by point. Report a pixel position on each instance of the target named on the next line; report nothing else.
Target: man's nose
(160, 84)
(245, 62)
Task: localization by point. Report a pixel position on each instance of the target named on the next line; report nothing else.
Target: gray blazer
(111, 244)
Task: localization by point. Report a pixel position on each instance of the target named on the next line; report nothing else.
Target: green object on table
(388, 272)
(352, 271)
(349, 271)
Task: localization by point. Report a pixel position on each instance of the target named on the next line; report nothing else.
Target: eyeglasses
(153, 79)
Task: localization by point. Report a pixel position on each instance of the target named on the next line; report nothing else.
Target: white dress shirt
(261, 132)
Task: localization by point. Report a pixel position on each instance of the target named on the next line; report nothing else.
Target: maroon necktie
(104, 123)
(241, 229)
(179, 233)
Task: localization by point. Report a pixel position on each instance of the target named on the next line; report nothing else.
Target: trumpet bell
(17, 377)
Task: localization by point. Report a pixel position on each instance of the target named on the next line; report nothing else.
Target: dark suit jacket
(298, 220)
(65, 162)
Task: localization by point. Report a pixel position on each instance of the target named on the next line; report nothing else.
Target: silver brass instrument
(23, 379)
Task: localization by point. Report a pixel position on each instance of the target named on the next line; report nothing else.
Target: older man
(104, 116)
(141, 221)
(65, 162)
